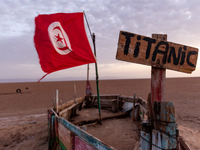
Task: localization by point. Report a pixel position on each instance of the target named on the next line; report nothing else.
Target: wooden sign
(149, 51)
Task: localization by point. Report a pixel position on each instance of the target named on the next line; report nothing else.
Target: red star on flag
(59, 38)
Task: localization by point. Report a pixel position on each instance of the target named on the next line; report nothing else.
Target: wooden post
(157, 84)
(133, 114)
(57, 101)
(74, 93)
(164, 134)
(87, 72)
(158, 76)
(54, 106)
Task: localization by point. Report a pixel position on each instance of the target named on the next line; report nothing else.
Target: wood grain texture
(153, 52)
(85, 136)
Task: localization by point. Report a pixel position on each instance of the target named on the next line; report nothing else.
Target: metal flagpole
(97, 77)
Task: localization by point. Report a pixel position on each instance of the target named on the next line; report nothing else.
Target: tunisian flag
(61, 41)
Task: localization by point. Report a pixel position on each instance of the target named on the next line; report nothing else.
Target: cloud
(179, 19)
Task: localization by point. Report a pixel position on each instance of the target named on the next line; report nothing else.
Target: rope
(87, 24)
(156, 145)
(172, 136)
(162, 121)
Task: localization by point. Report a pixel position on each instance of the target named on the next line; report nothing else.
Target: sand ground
(23, 120)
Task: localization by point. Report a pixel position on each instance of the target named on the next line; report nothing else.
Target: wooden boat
(76, 125)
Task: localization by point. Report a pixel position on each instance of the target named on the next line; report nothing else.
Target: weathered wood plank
(98, 144)
(112, 96)
(164, 117)
(162, 141)
(145, 140)
(130, 99)
(142, 102)
(108, 103)
(143, 109)
(81, 145)
(165, 125)
(67, 109)
(149, 51)
(182, 144)
(64, 137)
(67, 104)
(114, 115)
(66, 113)
(126, 98)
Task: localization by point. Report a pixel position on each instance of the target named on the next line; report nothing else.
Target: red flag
(61, 41)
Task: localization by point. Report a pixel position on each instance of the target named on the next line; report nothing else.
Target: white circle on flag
(59, 38)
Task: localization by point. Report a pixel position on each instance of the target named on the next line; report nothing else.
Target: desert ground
(23, 116)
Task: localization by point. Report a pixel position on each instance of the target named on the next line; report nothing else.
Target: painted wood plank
(153, 52)
(145, 141)
(158, 80)
(69, 103)
(66, 113)
(82, 145)
(98, 144)
(106, 96)
(165, 125)
(182, 144)
(158, 77)
(64, 136)
(162, 141)
(156, 140)
(164, 116)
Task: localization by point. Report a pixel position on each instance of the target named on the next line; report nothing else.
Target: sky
(179, 19)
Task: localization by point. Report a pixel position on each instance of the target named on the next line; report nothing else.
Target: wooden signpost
(160, 55)
(157, 53)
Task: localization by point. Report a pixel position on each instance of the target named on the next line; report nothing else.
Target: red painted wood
(158, 77)
(157, 88)
(82, 145)
(157, 84)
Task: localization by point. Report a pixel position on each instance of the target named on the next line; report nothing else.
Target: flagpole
(97, 79)
(87, 72)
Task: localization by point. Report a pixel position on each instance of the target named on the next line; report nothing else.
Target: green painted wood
(52, 139)
(62, 146)
(165, 132)
(49, 130)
